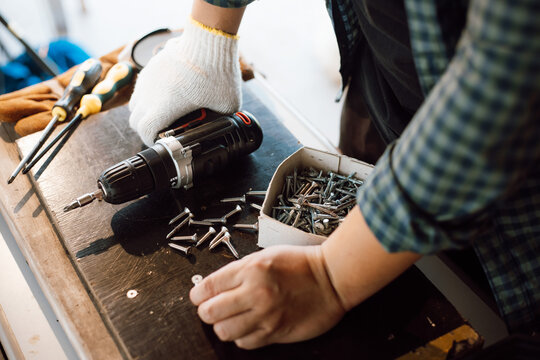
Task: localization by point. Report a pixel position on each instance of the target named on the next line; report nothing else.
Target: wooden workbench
(90, 258)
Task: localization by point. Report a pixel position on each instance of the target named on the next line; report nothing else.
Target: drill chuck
(181, 161)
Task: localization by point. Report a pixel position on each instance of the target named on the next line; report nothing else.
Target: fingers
(254, 340)
(148, 122)
(148, 119)
(222, 280)
(224, 305)
(236, 327)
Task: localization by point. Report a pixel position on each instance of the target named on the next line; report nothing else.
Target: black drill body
(183, 160)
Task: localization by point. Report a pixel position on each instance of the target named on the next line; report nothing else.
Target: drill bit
(84, 200)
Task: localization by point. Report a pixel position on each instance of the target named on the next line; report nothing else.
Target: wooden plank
(47, 258)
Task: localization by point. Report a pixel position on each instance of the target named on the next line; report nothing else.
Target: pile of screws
(315, 201)
(186, 219)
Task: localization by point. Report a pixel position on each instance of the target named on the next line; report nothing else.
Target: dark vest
(384, 63)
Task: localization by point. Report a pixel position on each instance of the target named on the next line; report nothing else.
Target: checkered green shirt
(467, 167)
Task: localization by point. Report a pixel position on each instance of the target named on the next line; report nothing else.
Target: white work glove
(199, 69)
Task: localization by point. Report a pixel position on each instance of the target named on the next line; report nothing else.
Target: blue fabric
(23, 71)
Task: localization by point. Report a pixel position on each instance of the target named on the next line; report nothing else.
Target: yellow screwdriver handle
(84, 79)
(117, 77)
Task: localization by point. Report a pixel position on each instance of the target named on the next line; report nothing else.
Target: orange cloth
(30, 108)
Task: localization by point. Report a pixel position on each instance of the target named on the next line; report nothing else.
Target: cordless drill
(178, 161)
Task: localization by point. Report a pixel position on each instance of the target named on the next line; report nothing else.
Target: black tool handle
(127, 180)
(214, 145)
(83, 80)
(222, 142)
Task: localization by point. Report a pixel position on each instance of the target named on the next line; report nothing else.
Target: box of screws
(309, 195)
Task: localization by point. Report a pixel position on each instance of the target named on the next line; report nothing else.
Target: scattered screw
(226, 239)
(179, 216)
(192, 238)
(297, 218)
(235, 199)
(256, 206)
(220, 220)
(220, 234)
(132, 293)
(199, 223)
(346, 192)
(223, 219)
(256, 193)
(324, 216)
(232, 212)
(211, 231)
(195, 279)
(185, 249)
(247, 226)
(179, 226)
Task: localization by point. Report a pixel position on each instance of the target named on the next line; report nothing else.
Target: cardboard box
(273, 232)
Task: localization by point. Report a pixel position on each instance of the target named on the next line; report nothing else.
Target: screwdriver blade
(45, 135)
(59, 136)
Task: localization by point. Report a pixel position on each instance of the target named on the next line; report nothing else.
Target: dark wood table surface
(118, 248)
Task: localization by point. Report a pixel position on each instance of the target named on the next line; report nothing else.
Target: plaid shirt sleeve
(230, 3)
(475, 136)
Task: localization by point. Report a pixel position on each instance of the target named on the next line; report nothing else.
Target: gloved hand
(30, 108)
(199, 69)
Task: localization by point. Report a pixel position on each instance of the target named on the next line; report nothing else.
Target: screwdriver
(117, 77)
(86, 76)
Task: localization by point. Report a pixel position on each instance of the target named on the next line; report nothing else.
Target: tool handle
(220, 143)
(86, 76)
(117, 77)
(239, 134)
(215, 146)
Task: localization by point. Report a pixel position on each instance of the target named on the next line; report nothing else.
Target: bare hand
(278, 295)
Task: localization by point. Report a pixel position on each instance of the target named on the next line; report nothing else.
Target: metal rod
(179, 226)
(185, 249)
(211, 231)
(37, 59)
(179, 216)
(46, 133)
(66, 128)
(256, 193)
